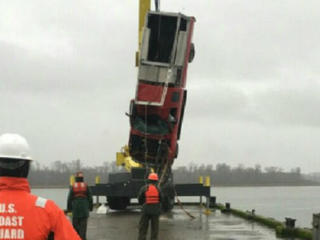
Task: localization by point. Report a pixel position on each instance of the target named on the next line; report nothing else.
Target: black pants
(80, 225)
(144, 224)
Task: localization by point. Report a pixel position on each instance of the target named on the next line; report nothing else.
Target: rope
(181, 206)
(163, 173)
(157, 156)
(146, 141)
(175, 192)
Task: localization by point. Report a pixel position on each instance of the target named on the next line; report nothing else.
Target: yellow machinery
(144, 7)
(125, 160)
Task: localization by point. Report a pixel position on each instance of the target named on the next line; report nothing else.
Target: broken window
(152, 125)
(162, 36)
(173, 116)
(175, 97)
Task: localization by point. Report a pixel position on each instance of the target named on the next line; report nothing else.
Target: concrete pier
(117, 225)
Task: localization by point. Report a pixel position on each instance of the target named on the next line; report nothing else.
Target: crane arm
(144, 8)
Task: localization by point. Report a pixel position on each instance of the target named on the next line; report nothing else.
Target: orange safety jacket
(29, 217)
(80, 189)
(152, 195)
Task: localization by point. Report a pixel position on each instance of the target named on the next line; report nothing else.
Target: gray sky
(67, 75)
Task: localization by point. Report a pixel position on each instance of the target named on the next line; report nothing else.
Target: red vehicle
(156, 113)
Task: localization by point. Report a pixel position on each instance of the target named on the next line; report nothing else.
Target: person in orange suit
(22, 214)
(80, 202)
(150, 196)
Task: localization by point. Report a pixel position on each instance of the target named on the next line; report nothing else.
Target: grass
(279, 227)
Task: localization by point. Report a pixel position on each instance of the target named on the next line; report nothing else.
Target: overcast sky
(67, 75)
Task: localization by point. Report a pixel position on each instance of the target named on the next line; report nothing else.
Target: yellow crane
(144, 7)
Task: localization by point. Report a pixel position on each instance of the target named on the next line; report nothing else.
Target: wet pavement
(123, 225)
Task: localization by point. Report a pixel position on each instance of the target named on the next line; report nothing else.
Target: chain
(157, 5)
(146, 142)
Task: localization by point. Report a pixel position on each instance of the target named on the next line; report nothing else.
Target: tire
(192, 53)
(118, 203)
(168, 193)
(167, 204)
(177, 151)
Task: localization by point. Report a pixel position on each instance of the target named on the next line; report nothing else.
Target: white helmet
(14, 146)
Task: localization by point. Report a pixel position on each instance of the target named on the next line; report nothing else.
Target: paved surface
(117, 225)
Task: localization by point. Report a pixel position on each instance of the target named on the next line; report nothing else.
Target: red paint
(173, 105)
(149, 93)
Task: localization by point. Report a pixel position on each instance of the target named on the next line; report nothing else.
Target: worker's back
(26, 216)
(80, 200)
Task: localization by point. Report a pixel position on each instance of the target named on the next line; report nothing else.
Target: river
(276, 202)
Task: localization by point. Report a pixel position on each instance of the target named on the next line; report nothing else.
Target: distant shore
(50, 187)
(271, 185)
(239, 185)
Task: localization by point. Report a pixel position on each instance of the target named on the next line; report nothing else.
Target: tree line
(225, 175)
(58, 174)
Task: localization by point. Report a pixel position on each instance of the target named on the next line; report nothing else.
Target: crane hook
(157, 4)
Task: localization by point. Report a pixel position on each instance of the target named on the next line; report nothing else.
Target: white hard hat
(14, 146)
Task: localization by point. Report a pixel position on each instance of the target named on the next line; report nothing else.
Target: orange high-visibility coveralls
(26, 216)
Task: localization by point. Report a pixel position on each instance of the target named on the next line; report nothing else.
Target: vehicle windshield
(153, 125)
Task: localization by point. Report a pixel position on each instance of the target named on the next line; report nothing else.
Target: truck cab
(156, 113)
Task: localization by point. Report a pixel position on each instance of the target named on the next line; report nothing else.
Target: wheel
(192, 53)
(168, 193)
(167, 204)
(177, 151)
(118, 203)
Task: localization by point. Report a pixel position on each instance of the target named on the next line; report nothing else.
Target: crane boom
(144, 8)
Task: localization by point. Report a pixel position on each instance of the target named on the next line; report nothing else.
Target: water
(59, 195)
(276, 202)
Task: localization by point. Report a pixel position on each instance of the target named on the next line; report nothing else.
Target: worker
(150, 196)
(80, 203)
(22, 214)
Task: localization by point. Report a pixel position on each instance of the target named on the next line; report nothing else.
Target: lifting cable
(157, 5)
(181, 206)
(146, 142)
(157, 156)
(164, 171)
